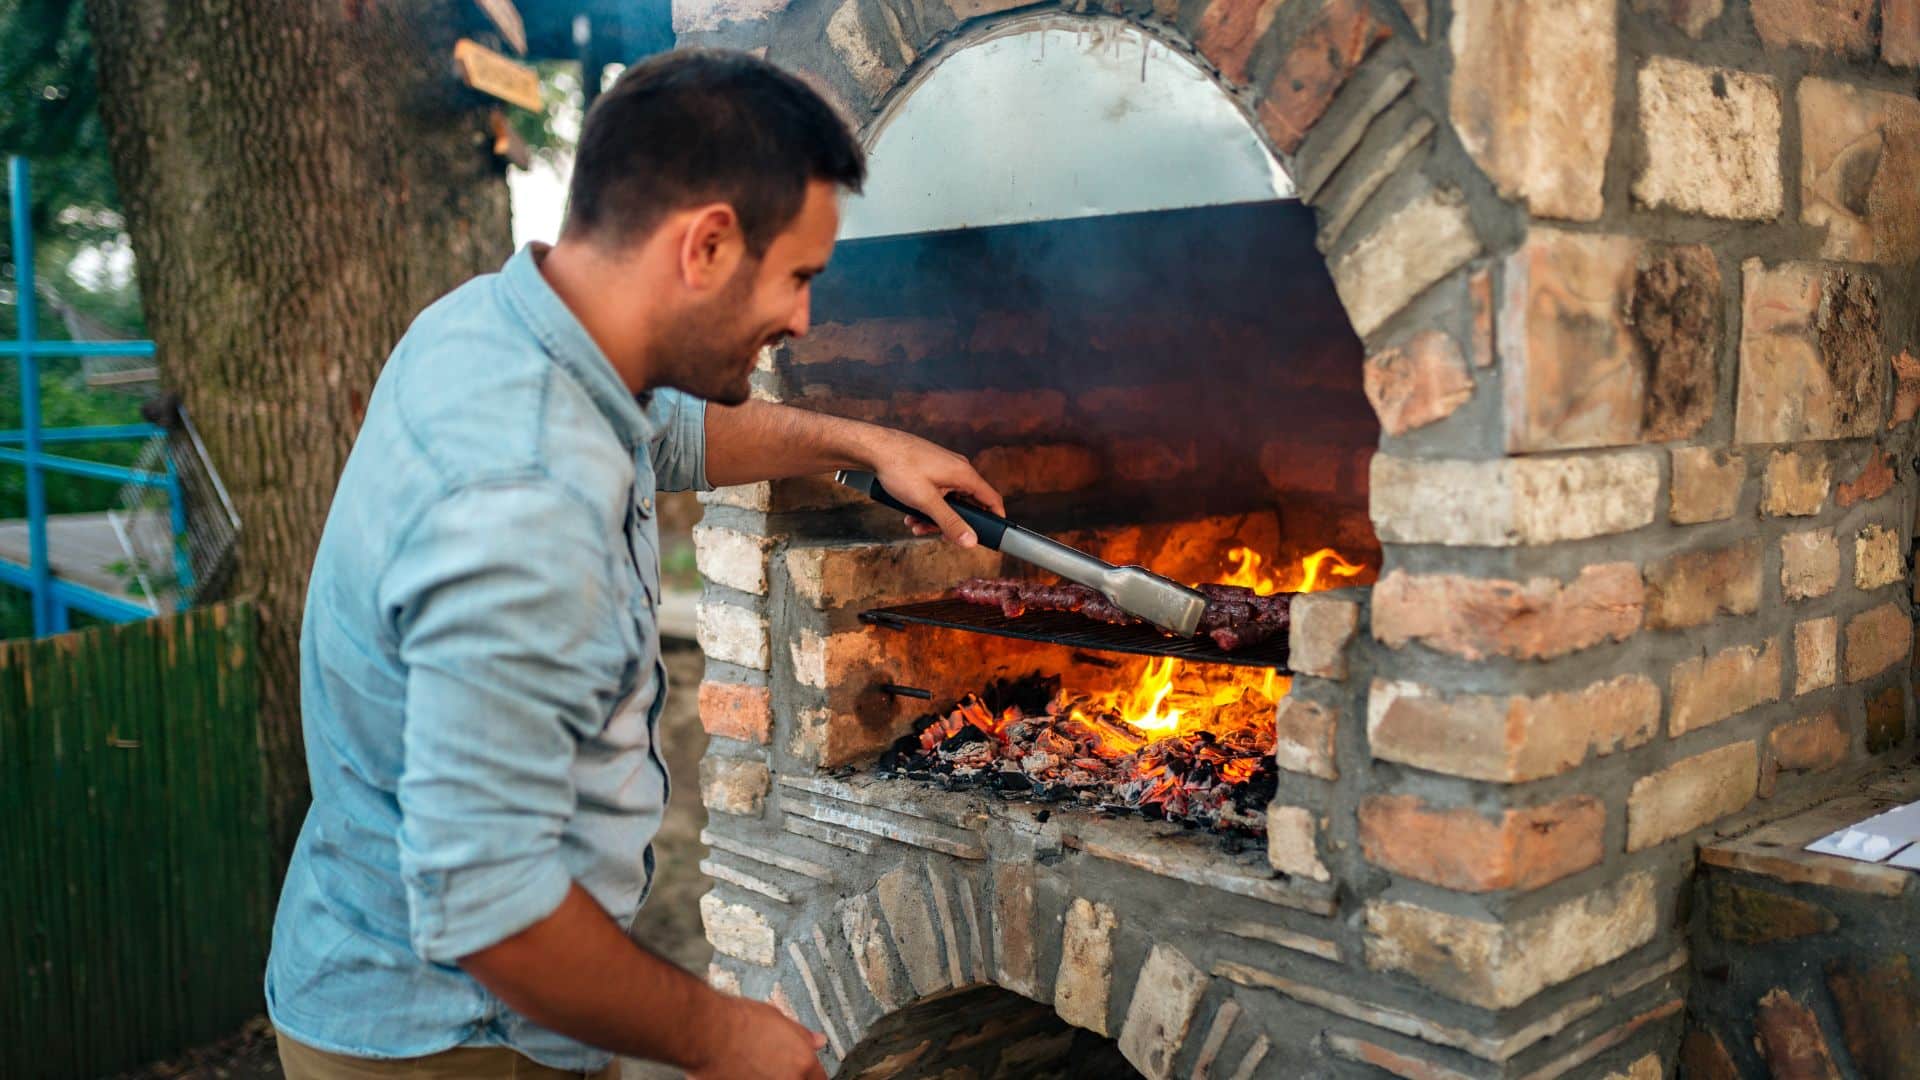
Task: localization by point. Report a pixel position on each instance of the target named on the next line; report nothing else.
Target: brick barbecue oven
(1588, 339)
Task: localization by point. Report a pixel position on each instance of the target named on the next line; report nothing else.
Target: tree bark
(300, 178)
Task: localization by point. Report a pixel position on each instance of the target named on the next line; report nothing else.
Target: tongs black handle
(987, 525)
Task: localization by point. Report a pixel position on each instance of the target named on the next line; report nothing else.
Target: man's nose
(802, 315)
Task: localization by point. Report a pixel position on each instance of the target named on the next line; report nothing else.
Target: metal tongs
(1166, 604)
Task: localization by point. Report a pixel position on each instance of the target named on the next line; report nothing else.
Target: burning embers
(1176, 745)
(1188, 742)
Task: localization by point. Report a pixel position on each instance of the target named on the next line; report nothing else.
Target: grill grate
(1076, 631)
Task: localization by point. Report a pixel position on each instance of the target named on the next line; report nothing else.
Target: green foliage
(49, 111)
(551, 132)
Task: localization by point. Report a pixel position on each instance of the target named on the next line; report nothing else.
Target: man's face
(710, 349)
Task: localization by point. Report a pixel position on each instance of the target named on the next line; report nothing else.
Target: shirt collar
(571, 347)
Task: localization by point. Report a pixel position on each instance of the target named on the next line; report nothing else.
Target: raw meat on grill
(1016, 598)
(1235, 617)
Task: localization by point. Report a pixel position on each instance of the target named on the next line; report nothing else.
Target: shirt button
(646, 506)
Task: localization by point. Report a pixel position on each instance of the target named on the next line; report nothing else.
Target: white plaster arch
(1054, 116)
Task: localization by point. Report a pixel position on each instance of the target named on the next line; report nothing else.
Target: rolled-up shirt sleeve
(500, 597)
(679, 445)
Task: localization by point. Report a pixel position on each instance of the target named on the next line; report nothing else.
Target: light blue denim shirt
(480, 674)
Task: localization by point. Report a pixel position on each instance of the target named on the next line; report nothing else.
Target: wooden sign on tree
(490, 73)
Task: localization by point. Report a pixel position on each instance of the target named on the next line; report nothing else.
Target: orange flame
(1248, 572)
(1171, 699)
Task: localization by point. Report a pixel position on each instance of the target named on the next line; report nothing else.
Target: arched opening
(988, 1033)
(1048, 117)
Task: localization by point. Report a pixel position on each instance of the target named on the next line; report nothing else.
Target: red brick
(1509, 739)
(1712, 140)
(1691, 16)
(874, 341)
(1900, 32)
(1707, 690)
(1842, 26)
(1860, 184)
(1810, 359)
(1816, 647)
(1886, 720)
(734, 786)
(1906, 390)
(1879, 559)
(1038, 470)
(1480, 297)
(1145, 460)
(1695, 587)
(1875, 480)
(1323, 626)
(1809, 564)
(1539, 130)
(1419, 383)
(1790, 1038)
(997, 414)
(1303, 737)
(1706, 484)
(1690, 793)
(1229, 29)
(1538, 619)
(1325, 55)
(1299, 468)
(1574, 371)
(1877, 639)
(735, 711)
(1704, 1057)
(1879, 1005)
(1466, 850)
(1022, 333)
(1811, 744)
(1796, 483)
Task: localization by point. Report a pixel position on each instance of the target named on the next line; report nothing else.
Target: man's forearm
(576, 973)
(764, 441)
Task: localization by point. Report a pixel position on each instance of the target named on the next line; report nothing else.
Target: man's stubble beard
(709, 352)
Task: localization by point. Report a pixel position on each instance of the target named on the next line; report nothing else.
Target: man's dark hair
(706, 125)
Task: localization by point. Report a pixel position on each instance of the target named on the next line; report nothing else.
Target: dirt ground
(669, 924)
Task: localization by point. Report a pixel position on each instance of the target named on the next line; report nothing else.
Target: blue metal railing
(52, 598)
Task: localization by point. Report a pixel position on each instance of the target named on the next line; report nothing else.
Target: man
(480, 659)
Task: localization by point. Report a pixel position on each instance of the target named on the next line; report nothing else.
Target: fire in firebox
(1187, 742)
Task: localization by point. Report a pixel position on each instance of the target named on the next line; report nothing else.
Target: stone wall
(1634, 283)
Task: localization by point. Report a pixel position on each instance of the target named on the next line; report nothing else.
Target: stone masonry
(1633, 291)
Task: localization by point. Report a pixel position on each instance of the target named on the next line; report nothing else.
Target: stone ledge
(964, 825)
(1776, 850)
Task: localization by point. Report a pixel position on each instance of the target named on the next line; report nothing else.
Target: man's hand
(922, 475)
(763, 441)
(759, 1043)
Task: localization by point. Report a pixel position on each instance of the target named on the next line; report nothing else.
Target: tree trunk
(300, 177)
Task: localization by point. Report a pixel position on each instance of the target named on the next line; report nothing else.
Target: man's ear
(711, 247)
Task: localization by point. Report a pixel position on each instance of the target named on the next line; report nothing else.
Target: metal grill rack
(1075, 631)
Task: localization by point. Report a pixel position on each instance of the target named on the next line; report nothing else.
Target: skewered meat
(1016, 598)
(1234, 618)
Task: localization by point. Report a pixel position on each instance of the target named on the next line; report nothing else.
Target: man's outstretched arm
(576, 973)
(763, 441)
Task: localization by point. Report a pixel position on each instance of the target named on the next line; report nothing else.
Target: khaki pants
(303, 1062)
